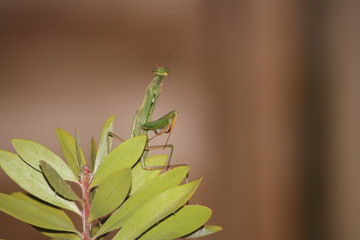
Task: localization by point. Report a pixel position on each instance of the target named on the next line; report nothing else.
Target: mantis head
(161, 71)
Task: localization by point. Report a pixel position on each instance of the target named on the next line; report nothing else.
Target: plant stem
(85, 183)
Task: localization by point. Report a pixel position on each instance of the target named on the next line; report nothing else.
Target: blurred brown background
(268, 95)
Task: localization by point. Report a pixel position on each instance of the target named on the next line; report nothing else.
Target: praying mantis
(142, 123)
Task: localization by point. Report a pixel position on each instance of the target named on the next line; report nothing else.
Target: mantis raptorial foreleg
(163, 125)
(142, 122)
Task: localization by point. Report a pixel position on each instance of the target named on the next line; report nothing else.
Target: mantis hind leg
(156, 147)
(167, 165)
(113, 135)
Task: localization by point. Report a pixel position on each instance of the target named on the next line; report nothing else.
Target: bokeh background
(268, 95)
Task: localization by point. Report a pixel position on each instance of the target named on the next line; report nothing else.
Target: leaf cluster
(114, 194)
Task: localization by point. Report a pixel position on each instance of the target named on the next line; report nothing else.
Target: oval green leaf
(156, 209)
(204, 231)
(149, 191)
(186, 220)
(123, 156)
(105, 142)
(58, 184)
(111, 193)
(140, 176)
(68, 147)
(32, 181)
(32, 152)
(93, 153)
(35, 212)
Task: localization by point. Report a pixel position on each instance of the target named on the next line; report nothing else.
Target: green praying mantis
(142, 123)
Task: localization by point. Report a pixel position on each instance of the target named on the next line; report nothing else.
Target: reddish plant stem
(85, 186)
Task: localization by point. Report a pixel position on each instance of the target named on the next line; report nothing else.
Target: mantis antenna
(175, 47)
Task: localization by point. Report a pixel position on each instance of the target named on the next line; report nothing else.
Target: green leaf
(68, 147)
(111, 193)
(58, 184)
(104, 142)
(152, 189)
(204, 231)
(156, 209)
(142, 176)
(32, 180)
(123, 156)
(61, 235)
(79, 152)
(35, 212)
(186, 220)
(93, 153)
(94, 230)
(32, 152)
